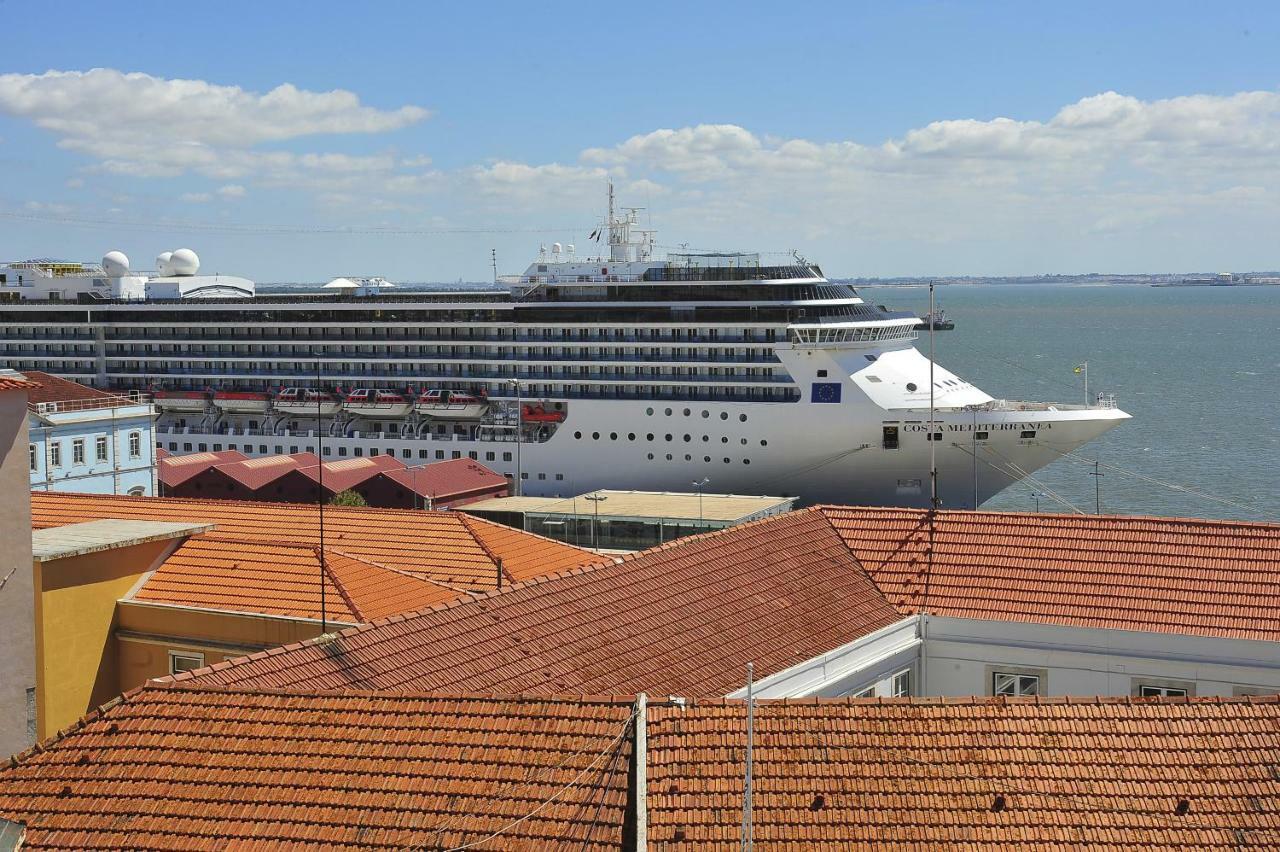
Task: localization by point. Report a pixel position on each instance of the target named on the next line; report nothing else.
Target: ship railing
(1105, 400)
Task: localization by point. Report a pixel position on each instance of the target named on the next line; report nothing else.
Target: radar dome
(162, 263)
(115, 264)
(183, 262)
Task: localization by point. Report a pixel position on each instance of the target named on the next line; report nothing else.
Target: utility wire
(626, 726)
(1017, 473)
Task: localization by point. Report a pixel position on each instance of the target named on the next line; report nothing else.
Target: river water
(1197, 367)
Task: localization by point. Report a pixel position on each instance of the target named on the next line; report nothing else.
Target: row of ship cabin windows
(649, 436)
(101, 451)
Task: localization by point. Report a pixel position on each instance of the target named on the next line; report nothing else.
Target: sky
(299, 141)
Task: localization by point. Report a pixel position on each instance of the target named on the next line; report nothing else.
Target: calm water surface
(1197, 367)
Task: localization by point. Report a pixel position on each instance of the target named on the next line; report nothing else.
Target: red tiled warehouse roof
(173, 470)
(176, 767)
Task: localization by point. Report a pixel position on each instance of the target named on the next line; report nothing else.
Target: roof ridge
(1077, 518)
(328, 572)
(465, 519)
(494, 526)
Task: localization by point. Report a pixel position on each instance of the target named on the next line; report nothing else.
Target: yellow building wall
(75, 601)
(146, 633)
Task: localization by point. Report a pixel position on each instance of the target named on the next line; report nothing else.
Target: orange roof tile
(1169, 575)
(254, 473)
(181, 767)
(681, 619)
(447, 478)
(969, 774)
(239, 575)
(437, 545)
(348, 473)
(16, 382)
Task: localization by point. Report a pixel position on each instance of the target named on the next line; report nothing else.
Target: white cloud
(144, 126)
(232, 190)
(195, 197)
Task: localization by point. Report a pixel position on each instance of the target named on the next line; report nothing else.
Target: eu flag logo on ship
(825, 392)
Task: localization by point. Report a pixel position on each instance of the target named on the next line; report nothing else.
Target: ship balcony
(752, 358)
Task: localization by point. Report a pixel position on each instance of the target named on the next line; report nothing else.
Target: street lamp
(1036, 497)
(595, 527)
(698, 485)
(515, 383)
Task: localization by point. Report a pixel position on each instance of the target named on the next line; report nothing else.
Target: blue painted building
(87, 440)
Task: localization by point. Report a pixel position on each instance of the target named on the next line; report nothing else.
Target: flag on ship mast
(1079, 368)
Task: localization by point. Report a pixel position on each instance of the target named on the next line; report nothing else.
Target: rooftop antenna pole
(933, 444)
(1097, 488)
(324, 620)
(493, 259)
(748, 832)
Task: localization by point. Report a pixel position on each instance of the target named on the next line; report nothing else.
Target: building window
(55, 454)
(33, 457)
(185, 661)
(1149, 687)
(440, 454)
(869, 692)
(100, 448)
(77, 451)
(902, 684)
(506, 457)
(1015, 683)
(559, 477)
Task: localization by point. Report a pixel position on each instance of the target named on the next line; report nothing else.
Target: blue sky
(879, 139)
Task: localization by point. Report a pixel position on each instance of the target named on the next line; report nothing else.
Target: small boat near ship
(451, 405)
(935, 321)
(307, 401)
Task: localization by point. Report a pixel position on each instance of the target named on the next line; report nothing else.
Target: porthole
(705, 414)
(706, 438)
(911, 386)
(763, 442)
(687, 412)
(668, 456)
(613, 436)
(668, 412)
(631, 436)
(577, 436)
(744, 442)
(649, 437)
(726, 459)
(742, 418)
(648, 412)
(650, 456)
(595, 436)
(688, 457)
(668, 436)
(724, 440)
(688, 438)
(746, 461)
(724, 415)
(706, 458)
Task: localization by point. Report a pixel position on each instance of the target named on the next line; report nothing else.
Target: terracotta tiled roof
(682, 619)
(438, 545)
(50, 388)
(14, 381)
(216, 572)
(254, 473)
(177, 767)
(969, 774)
(173, 470)
(447, 478)
(1170, 575)
(348, 473)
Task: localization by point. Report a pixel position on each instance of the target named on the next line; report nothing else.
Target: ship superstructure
(619, 370)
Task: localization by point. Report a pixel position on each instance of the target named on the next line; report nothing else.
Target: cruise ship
(622, 370)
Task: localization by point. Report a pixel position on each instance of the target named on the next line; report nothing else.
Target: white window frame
(175, 656)
(77, 451)
(1020, 679)
(900, 684)
(100, 451)
(135, 445)
(1162, 688)
(866, 692)
(55, 454)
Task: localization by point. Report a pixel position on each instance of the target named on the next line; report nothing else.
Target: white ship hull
(822, 453)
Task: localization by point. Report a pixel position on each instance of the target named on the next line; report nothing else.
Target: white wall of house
(961, 656)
